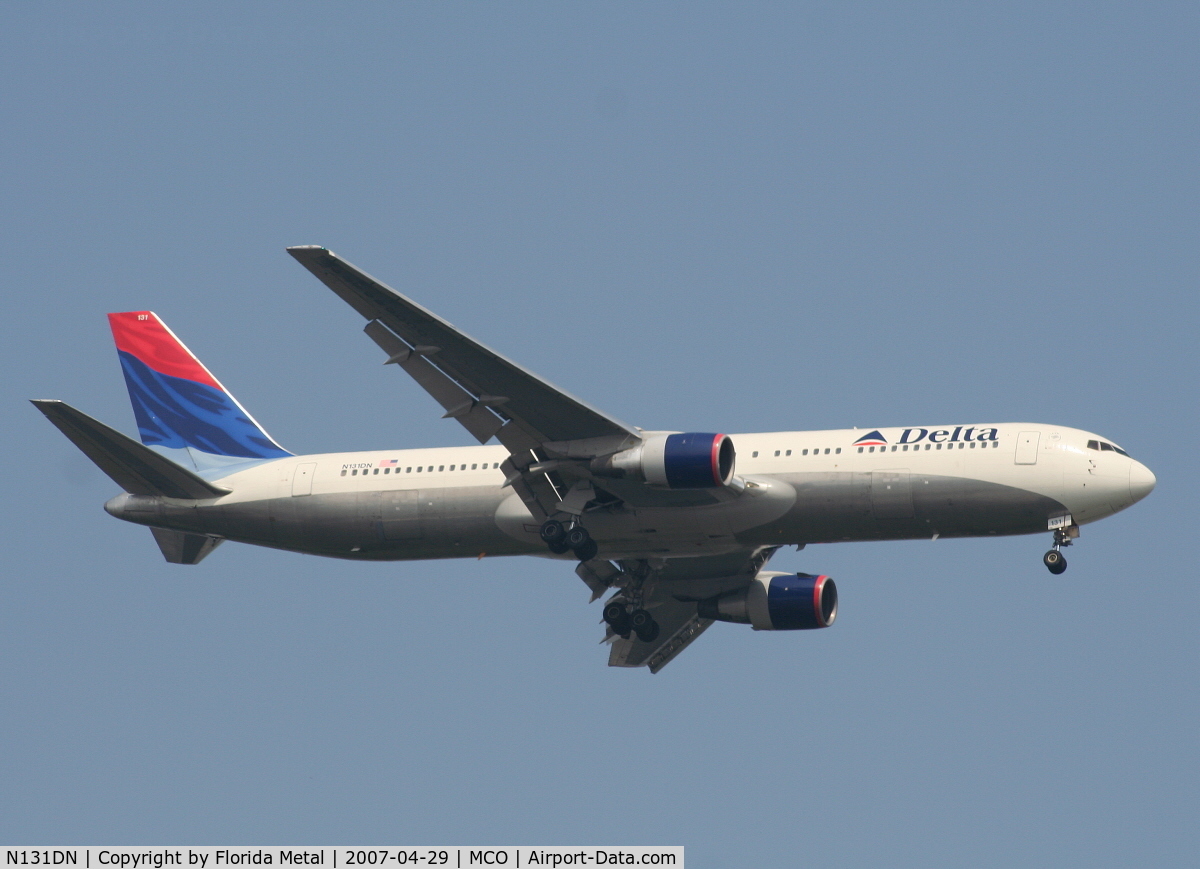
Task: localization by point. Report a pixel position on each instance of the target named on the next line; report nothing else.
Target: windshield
(1104, 446)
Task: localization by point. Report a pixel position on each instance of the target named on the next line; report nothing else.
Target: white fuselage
(801, 487)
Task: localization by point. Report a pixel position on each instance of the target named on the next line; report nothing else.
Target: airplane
(679, 526)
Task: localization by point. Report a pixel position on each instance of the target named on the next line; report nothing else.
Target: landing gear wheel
(578, 536)
(558, 548)
(1055, 562)
(617, 619)
(614, 612)
(553, 533)
(643, 625)
(587, 551)
(649, 633)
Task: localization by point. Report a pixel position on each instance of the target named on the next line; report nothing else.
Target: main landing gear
(624, 622)
(559, 539)
(1054, 560)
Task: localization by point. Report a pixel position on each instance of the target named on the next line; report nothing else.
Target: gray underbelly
(376, 525)
(895, 505)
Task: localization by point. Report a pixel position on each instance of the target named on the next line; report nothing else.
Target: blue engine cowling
(777, 602)
(689, 460)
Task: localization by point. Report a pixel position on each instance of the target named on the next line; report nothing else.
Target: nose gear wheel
(1054, 560)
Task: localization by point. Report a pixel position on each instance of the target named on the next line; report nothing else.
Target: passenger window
(377, 472)
(474, 466)
(754, 455)
(419, 469)
(804, 452)
(789, 452)
(872, 449)
(408, 470)
(827, 451)
(354, 473)
(860, 449)
(343, 472)
(972, 444)
(838, 451)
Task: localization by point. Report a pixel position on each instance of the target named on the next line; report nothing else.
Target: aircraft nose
(1141, 481)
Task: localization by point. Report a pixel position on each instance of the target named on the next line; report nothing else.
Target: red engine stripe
(716, 460)
(818, 586)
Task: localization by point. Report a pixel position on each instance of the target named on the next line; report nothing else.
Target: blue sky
(696, 217)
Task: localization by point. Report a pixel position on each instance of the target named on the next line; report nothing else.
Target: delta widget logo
(874, 439)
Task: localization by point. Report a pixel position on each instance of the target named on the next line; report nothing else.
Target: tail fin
(176, 400)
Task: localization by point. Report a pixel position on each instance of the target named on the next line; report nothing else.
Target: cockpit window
(1106, 447)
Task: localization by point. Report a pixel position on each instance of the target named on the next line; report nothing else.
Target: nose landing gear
(1054, 560)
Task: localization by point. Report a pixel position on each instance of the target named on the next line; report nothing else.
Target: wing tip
(299, 250)
(47, 406)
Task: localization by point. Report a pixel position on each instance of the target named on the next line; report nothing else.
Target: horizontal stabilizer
(180, 547)
(134, 467)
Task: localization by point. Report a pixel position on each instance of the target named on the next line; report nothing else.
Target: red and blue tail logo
(176, 400)
(873, 439)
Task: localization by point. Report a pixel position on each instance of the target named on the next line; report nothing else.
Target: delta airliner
(679, 526)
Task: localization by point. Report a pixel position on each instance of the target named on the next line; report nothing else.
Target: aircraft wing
(490, 395)
(542, 410)
(670, 591)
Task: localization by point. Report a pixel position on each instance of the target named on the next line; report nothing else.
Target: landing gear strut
(1054, 560)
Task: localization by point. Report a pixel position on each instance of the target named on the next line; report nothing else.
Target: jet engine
(692, 460)
(777, 602)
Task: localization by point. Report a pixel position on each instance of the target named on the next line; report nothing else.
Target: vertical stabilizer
(176, 400)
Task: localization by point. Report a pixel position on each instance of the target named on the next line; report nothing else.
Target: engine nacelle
(692, 460)
(777, 602)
